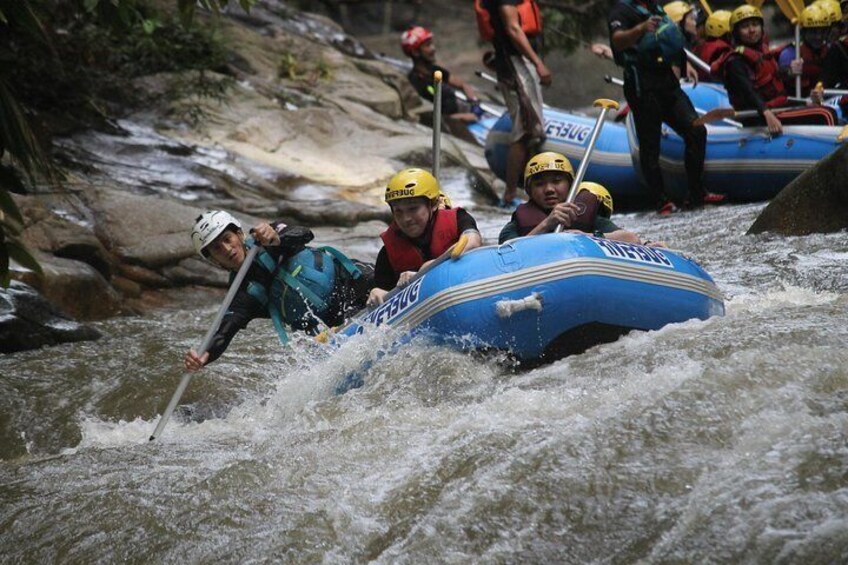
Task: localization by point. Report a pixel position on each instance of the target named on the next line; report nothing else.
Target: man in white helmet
(304, 288)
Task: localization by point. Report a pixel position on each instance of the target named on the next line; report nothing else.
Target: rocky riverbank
(309, 128)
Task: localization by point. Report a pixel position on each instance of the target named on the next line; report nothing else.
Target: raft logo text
(395, 306)
(632, 252)
(567, 131)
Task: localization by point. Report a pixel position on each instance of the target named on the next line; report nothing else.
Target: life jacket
(406, 256)
(763, 71)
(529, 16)
(813, 65)
(653, 50)
(709, 51)
(301, 286)
(528, 215)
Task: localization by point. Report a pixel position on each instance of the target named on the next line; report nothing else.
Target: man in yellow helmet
(751, 74)
(547, 180)
(815, 29)
(422, 229)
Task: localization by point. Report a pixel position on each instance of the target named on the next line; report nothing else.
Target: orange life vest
(405, 256)
(529, 17)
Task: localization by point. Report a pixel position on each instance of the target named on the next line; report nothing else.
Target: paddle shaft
(584, 163)
(798, 56)
(437, 123)
(207, 340)
(697, 61)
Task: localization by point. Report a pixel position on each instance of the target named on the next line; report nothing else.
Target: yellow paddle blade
(605, 103)
(459, 247)
(843, 135)
(791, 9)
(707, 8)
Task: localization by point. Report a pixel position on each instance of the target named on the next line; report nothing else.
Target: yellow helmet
(602, 193)
(831, 8)
(547, 161)
(412, 183)
(677, 10)
(814, 16)
(718, 24)
(744, 12)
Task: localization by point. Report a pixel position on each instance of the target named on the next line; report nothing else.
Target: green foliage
(74, 58)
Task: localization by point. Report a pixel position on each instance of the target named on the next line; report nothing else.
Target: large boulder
(76, 288)
(28, 321)
(815, 202)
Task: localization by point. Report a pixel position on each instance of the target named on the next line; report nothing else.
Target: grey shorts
(524, 101)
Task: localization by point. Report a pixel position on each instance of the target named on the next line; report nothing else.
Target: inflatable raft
(542, 297)
(569, 133)
(746, 164)
(613, 163)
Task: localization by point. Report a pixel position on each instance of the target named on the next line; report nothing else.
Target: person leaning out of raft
(305, 288)
(753, 80)
(422, 229)
(547, 180)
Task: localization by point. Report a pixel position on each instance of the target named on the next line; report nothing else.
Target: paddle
(707, 8)
(605, 105)
(792, 10)
(437, 123)
(724, 113)
(207, 340)
(697, 61)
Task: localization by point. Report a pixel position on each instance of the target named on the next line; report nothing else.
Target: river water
(717, 441)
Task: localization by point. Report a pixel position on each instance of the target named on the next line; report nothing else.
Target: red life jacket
(763, 71)
(813, 64)
(527, 216)
(712, 49)
(406, 256)
(529, 17)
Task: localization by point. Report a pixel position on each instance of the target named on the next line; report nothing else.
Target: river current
(720, 441)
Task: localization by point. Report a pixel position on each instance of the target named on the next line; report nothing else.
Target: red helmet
(413, 38)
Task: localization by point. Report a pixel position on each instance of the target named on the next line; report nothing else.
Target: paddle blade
(714, 115)
(791, 9)
(459, 247)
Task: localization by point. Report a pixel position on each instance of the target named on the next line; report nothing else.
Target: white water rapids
(718, 441)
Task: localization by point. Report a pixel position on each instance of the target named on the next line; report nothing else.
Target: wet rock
(57, 224)
(815, 202)
(28, 321)
(76, 288)
(142, 230)
(144, 276)
(196, 271)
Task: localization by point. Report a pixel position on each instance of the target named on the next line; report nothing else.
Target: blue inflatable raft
(746, 164)
(613, 163)
(542, 297)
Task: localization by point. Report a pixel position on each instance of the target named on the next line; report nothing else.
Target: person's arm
(385, 276)
(624, 39)
(460, 84)
(516, 35)
(737, 82)
(243, 309)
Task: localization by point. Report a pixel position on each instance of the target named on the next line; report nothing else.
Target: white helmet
(210, 225)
